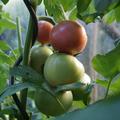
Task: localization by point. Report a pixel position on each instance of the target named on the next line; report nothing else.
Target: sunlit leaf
(108, 65)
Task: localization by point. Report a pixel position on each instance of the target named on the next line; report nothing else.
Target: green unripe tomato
(38, 56)
(80, 94)
(53, 106)
(62, 69)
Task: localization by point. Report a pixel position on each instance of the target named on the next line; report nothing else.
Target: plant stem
(107, 91)
(27, 47)
(19, 35)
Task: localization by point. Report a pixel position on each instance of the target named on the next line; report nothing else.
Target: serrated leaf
(108, 65)
(82, 5)
(5, 1)
(27, 73)
(102, 110)
(105, 5)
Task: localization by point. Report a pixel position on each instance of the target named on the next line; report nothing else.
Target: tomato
(44, 29)
(80, 94)
(85, 79)
(53, 106)
(62, 69)
(38, 56)
(68, 37)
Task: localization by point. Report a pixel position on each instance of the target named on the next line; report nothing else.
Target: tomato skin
(48, 105)
(68, 37)
(44, 29)
(38, 56)
(60, 69)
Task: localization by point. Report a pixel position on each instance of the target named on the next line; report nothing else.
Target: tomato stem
(28, 45)
(108, 87)
(19, 35)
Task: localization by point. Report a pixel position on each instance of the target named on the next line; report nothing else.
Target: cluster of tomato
(60, 67)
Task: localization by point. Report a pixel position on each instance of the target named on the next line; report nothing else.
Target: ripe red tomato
(61, 68)
(53, 105)
(44, 29)
(68, 37)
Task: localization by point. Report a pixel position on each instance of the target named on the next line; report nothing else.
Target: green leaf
(9, 111)
(105, 5)
(4, 58)
(78, 105)
(71, 86)
(108, 65)
(82, 5)
(10, 90)
(109, 17)
(73, 14)
(5, 1)
(39, 2)
(4, 68)
(54, 9)
(7, 23)
(88, 18)
(68, 4)
(103, 83)
(27, 73)
(117, 13)
(102, 110)
(115, 85)
(4, 46)
(74, 86)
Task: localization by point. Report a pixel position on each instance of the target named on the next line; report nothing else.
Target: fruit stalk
(28, 44)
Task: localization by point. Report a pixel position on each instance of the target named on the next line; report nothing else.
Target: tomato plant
(68, 37)
(59, 80)
(44, 29)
